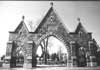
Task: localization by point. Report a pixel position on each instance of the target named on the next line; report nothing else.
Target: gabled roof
(48, 14)
(80, 27)
(22, 23)
(38, 25)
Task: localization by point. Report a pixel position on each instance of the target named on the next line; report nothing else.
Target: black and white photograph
(49, 35)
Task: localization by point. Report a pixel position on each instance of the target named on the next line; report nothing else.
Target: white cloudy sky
(12, 11)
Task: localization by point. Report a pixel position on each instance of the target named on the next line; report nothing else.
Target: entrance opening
(17, 59)
(52, 51)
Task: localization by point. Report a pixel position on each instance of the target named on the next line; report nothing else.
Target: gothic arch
(56, 36)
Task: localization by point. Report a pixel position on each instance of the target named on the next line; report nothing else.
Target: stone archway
(46, 36)
(59, 37)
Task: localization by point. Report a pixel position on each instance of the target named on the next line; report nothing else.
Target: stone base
(71, 65)
(74, 65)
(92, 61)
(74, 62)
(4, 65)
(91, 64)
(27, 65)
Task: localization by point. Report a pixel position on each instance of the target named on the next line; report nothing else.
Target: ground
(55, 68)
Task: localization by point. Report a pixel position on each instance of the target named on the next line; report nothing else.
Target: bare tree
(44, 46)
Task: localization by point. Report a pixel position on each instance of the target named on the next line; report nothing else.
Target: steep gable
(80, 28)
(51, 22)
(21, 27)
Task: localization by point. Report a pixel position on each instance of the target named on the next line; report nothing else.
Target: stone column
(28, 55)
(7, 58)
(34, 60)
(91, 61)
(73, 58)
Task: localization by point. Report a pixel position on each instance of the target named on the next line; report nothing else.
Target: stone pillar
(28, 55)
(7, 58)
(73, 59)
(91, 61)
(69, 62)
(34, 60)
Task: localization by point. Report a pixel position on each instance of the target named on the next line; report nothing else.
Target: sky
(11, 13)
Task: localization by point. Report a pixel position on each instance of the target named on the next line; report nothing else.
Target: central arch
(59, 37)
(46, 36)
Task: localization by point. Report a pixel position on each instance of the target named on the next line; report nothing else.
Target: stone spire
(80, 26)
(78, 20)
(51, 4)
(23, 17)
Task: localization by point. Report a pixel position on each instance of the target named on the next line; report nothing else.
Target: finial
(78, 19)
(51, 4)
(23, 17)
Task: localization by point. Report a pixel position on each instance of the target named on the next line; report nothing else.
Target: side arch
(17, 55)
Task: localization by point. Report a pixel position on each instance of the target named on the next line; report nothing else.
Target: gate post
(69, 62)
(7, 58)
(34, 60)
(92, 58)
(73, 54)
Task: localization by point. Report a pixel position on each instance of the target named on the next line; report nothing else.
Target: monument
(23, 43)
